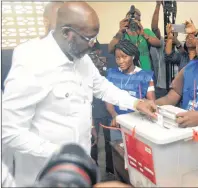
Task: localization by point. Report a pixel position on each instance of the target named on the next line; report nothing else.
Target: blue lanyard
(126, 82)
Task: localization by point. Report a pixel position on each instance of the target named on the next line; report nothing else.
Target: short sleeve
(149, 32)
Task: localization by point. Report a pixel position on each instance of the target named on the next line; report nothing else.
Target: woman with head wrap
(128, 76)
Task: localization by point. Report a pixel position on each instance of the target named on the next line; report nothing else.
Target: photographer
(181, 57)
(142, 38)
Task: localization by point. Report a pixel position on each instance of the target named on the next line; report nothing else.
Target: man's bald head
(77, 26)
(49, 15)
(78, 15)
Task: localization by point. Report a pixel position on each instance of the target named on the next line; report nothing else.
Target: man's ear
(67, 33)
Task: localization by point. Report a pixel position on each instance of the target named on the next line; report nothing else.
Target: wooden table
(118, 162)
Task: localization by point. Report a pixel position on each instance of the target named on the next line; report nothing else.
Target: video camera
(69, 167)
(133, 26)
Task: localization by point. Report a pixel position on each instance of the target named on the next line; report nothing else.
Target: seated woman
(128, 76)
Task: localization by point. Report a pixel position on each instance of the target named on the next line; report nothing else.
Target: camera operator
(181, 57)
(142, 38)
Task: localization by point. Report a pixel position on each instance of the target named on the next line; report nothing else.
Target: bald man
(49, 21)
(48, 94)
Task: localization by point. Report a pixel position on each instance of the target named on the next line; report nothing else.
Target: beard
(77, 50)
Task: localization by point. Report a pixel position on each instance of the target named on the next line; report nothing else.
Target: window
(21, 21)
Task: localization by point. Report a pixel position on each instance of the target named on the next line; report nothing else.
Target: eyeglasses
(90, 41)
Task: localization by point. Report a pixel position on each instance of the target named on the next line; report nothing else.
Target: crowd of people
(56, 91)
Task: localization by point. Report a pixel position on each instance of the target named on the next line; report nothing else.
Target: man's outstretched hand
(147, 107)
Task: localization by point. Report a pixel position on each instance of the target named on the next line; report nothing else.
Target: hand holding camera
(133, 25)
(124, 24)
(190, 27)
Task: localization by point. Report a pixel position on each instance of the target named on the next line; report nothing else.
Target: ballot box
(159, 153)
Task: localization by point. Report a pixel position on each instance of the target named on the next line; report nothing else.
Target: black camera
(69, 167)
(133, 26)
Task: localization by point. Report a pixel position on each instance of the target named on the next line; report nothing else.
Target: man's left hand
(147, 107)
(187, 119)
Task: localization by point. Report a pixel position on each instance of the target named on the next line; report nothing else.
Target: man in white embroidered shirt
(49, 90)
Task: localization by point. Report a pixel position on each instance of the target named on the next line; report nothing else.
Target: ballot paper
(167, 116)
